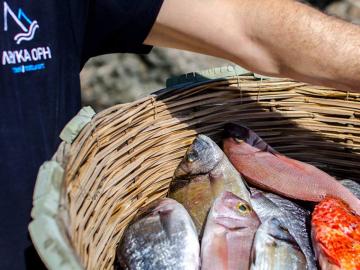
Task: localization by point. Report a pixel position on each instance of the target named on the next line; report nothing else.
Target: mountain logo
(27, 26)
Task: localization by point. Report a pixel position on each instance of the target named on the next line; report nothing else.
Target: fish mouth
(232, 130)
(229, 223)
(201, 157)
(201, 145)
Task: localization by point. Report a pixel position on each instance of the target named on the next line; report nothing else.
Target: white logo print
(23, 60)
(27, 26)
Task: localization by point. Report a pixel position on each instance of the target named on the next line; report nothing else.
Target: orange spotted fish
(336, 235)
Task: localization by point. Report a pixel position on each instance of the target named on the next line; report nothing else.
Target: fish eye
(238, 140)
(192, 156)
(243, 208)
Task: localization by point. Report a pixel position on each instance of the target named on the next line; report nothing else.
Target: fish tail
(356, 208)
(348, 197)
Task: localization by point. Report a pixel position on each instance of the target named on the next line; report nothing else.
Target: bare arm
(280, 38)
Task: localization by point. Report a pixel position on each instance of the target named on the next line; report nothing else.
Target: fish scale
(336, 235)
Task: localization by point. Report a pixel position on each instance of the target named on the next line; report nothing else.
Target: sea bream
(202, 175)
(228, 234)
(162, 236)
(291, 216)
(275, 249)
(335, 231)
(263, 167)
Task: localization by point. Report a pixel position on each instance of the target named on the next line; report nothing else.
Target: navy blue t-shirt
(43, 46)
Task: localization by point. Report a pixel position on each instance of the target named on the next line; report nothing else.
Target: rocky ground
(119, 78)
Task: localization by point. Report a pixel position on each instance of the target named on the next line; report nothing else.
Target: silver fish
(275, 249)
(353, 186)
(229, 234)
(162, 236)
(291, 216)
(202, 175)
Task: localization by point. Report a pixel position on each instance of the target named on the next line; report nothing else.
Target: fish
(353, 186)
(275, 249)
(291, 216)
(202, 175)
(335, 232)
(161, 236)
(229, 233)
(264, 167)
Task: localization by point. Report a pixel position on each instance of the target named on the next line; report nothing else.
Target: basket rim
(194, 79)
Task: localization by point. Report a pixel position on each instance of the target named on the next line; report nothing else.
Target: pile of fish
(232, 202)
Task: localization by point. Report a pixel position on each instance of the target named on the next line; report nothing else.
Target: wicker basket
(125, 156)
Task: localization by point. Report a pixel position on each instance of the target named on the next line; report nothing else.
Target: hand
(281, 38)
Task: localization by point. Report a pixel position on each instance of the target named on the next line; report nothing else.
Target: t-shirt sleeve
(118, 26)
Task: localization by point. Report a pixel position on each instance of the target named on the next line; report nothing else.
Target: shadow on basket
(125, 156)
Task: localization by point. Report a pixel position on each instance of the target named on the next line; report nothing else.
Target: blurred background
(118, 78)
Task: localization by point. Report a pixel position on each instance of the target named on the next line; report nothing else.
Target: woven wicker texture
(126, 156)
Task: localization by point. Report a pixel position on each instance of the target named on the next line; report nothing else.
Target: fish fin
(253, 256)
(263, 146)
(325, 259)
(178, 183)
(256, 141)
(325, 254)
(164, 221)
(260, 144)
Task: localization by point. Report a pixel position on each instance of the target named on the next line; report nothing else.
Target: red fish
(229, 233)
(264, 167)
(336, 235)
